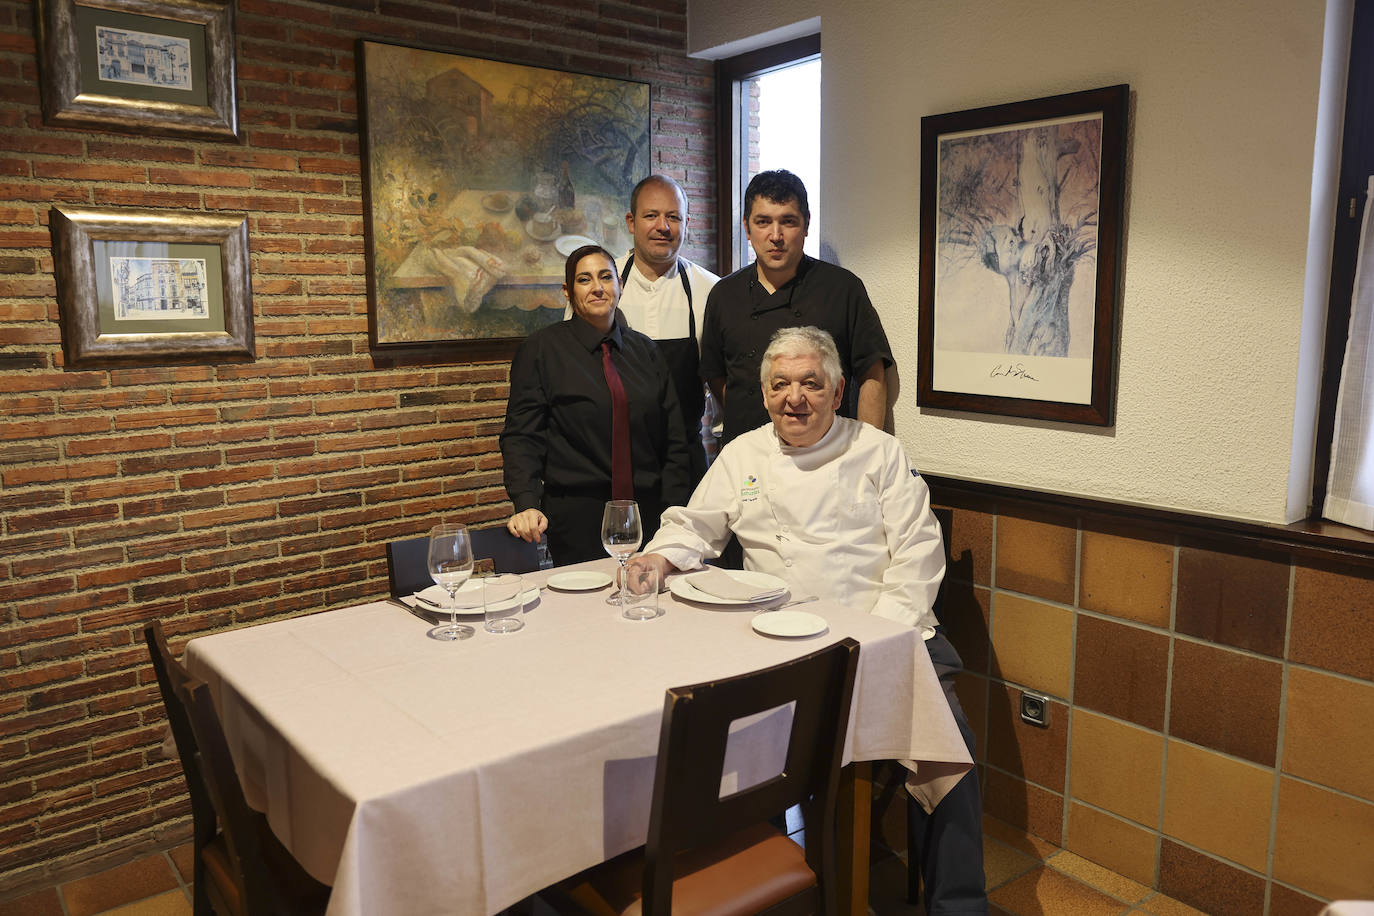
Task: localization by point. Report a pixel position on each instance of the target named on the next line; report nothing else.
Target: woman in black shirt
(557, 445)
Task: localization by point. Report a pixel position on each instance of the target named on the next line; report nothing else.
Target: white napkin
(720, 584)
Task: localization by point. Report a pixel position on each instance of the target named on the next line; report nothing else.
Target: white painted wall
(1219, 197)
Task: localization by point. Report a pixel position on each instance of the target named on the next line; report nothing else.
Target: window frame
(730, 73)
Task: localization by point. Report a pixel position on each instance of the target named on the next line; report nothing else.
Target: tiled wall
(1211, 728)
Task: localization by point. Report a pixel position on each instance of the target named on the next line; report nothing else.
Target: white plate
(685, 590)
(585, 581)
(435, 598)
(788, 623)
(567, 244)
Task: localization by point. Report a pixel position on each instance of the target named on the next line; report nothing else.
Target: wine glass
(621, 534)
(450, 565)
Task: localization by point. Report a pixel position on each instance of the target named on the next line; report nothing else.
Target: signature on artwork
(1012, 370)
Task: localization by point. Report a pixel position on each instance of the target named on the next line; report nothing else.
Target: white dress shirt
(844, 519)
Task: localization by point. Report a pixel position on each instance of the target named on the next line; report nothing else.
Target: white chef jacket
(844, 519)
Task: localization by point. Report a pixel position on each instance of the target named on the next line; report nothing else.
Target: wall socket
(1035, 710)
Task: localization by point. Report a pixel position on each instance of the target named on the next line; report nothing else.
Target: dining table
(417, 776)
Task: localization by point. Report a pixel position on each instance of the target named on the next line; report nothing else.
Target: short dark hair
(780, 186)
(570, 266)
(664, 180)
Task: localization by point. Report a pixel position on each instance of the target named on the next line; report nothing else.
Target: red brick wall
(215, 496)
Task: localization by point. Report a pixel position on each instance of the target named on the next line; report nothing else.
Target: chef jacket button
(788, 563)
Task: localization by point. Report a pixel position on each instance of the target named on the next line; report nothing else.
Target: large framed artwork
(1021, 235)
(143, 287)
(161, 67)
(481, 177)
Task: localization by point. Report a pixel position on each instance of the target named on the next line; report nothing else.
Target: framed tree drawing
(1021, 233)
(142, 287)
(480, 178)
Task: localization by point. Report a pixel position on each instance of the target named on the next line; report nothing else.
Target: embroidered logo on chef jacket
(750, 491)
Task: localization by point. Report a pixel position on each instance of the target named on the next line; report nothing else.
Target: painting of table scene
(482, 177)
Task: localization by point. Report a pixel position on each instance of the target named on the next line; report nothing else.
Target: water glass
(639, 593)
(502, 604)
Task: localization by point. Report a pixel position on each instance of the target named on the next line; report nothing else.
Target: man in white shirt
(663, 296)
(830, 505)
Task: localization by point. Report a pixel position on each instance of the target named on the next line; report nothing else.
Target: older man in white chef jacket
(830, 505)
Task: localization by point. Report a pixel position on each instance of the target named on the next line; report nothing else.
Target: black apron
(683, 359)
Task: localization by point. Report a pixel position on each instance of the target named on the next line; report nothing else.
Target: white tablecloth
(424, 777)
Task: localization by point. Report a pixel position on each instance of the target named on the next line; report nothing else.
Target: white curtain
(1350, 485)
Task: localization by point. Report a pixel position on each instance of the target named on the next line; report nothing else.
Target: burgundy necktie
(622, 470)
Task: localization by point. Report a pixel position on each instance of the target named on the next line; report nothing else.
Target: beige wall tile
(1036, 555)
(1323, 842)
(1125, 848)
(1022, 804)
(1032, 643)
(1219, 804)
(1326, 736)
(1116, 766)
(1129, 577)
(1333, 619)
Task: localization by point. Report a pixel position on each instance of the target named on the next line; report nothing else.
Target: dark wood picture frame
(468, 166)
(1022, 215)
(85, 242)
(195, 97)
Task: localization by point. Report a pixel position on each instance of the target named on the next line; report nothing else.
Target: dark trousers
(946, 846)
(575, 523)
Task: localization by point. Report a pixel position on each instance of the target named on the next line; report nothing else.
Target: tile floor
(1026, 877)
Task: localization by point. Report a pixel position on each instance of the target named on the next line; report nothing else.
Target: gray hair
(803, 341)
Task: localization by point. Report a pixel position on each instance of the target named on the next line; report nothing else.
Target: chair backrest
(407, 561)
(238, 822)
(687, 809)
(172, 675)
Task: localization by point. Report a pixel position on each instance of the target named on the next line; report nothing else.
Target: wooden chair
(240, 868)
(711, 855)
(407, 569)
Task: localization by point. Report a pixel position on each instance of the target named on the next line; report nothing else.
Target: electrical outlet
(1035, 710)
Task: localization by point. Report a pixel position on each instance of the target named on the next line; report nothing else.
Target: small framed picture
(144, 287)
(164, 67)
(1021, 240)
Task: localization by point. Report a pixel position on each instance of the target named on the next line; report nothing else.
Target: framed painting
(143, 287)
(161, 67)
(480, 178)
(1021, 234)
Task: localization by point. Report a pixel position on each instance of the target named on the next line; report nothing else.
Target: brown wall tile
(968, 546)
(1226, 701)
(1021, 804)
(1323, 842)
(1125, 848)
(1121, 670)
(1032, 643)
(965, 614)
(1326, 734)
(1207, 883)
(1284, 901)
(1034, 753)
(1116, 766)
(1125, 575)
(1036, 555)
(1333, 620)
(1218, 804)
(1232, 598)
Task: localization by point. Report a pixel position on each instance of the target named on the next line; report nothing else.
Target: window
(1357, 164)
(768, 109)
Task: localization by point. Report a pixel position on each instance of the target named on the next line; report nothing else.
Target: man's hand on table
(651, 561)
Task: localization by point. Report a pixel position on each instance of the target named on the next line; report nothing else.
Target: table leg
(853, 814)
